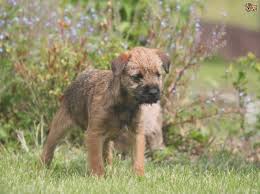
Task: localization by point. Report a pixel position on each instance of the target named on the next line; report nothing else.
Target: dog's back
(78, 96)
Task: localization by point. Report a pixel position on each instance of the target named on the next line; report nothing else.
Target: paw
(139, 171)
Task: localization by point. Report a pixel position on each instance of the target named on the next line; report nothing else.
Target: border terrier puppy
(107, 102)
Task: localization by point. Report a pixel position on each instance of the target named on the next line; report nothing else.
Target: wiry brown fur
(106, 102)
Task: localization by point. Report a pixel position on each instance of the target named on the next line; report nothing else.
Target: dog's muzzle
(149, 94)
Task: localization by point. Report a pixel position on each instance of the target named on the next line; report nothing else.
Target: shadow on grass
(73, 167)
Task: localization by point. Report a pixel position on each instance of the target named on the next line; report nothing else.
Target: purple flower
(124, 45)
(67, 20)
(178, 7)
(197, 25)
(26, 21)
(37, 19)
(2, 23)
(248, 99)
(105, 38)
(2, 37)
(53, 14)
(47, 24)
(94, 16)
(73, 32)
(92, 10)
(84, 18)
(12, 2)
(163, 24)
(99, 52)
(191, 8)
(173, 46)
(222, 110)
(91, 29)
(79, 25)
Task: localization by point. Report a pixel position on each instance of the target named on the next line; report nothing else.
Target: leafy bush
(44, 45)
(239, 73)
(42, 50)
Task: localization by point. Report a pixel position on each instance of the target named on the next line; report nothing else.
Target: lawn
(221, 173)
(211, 75)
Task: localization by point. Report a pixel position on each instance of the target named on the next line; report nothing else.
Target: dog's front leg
(94, 142)
(138, 148)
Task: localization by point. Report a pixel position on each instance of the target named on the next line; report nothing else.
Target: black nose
(149, 94)
(154, 90)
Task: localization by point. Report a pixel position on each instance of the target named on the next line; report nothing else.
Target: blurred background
(211, 96)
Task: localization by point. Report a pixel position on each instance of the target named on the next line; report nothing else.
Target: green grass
(210, 75)
(21, 173)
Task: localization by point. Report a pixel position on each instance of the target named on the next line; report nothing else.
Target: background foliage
(43, 45)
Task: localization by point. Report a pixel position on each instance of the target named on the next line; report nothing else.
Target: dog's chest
(125, 119)
(125, 116)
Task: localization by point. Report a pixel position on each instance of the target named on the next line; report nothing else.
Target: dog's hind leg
(59, 124)
(108, 152)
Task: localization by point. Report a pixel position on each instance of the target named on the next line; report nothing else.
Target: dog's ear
(119, 63)
(165, 60)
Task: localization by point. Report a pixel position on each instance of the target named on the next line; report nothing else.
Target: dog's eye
(137, 77)
(158, 74)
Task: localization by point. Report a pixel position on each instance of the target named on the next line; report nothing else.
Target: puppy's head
(140, 71)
